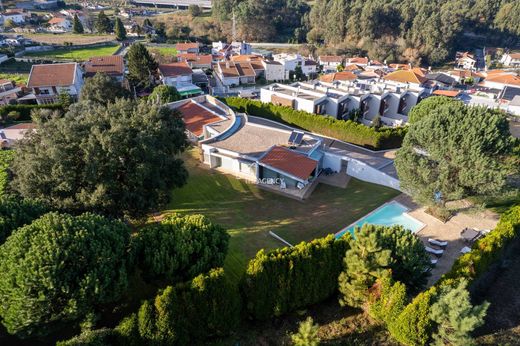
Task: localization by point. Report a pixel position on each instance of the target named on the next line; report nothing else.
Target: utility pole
(234, 29)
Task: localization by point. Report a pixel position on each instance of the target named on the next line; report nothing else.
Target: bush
(287, 279)
(58, 269)
(180, 247)
(488, 249)
(413, 326)
(13, 115)
(17, 212)
(98, 337)
(6, 157)
(347, 131)
(187, 313)
(388, 300)
(24, 111)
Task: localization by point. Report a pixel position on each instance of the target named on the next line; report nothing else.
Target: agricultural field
(59, 39)
(77, 54)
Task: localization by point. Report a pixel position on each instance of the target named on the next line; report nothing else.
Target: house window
(44, 91)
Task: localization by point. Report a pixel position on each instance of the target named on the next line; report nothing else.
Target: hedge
(488, 249)
(348, 131)
(188, 313)
(6, 157)
(290, 278)
(25, 110)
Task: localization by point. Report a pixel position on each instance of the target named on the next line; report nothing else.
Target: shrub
(347, 131)
(389, 300)
(98, 337)
(187, 313)
(6, 157)
(290, 278)
(488, 249)
(58, 269)
(307, 334)
(180, 247)
(17, 212)
(413, 326)
(13, 115)
(24, 111)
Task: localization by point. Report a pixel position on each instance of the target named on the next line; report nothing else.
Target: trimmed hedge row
(487, 250)
(207, 306)
(287, 279)
(348, 131)
(25, 110)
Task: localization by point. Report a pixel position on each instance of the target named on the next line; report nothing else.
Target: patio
(449, 231)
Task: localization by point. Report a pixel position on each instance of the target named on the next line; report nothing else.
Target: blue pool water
(390, 214)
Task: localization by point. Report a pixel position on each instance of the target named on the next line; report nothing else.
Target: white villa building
(48, 81)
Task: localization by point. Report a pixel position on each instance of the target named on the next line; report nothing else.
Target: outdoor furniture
(469, 235)
(465, 249)
(434, 261)
(436, 252)
(441, 243)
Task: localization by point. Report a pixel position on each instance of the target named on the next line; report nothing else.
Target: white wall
(362, 171)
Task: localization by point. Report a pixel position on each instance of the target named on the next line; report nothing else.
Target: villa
(47, 81)
(272, 155)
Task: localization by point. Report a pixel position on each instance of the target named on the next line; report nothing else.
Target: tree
(455, 152)
(77, 27)
(103, 23)
(428, 106)
(365, 262)
(164, 94)
(6, 158)
(65, 99)
(195, 10)
(456, 316)
(179, 248)
(141, 66)
(103, 89)
(376, 123)
(59, 268)
(119, 159)
(307, 334)
(120, 30)
(16, 212)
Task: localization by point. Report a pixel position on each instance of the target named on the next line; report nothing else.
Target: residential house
(112, 65)
(338, 76)
(511, 59)
(202, 61)
(279, 159)
(309, 67)
(330, 63)
(363, 62)
(288, 61)
(440, 80)
(10, 135)
(49, 80)
(465, 60)
(59, 24)
(273, 71)
(232, 73)
(17, 16)
(499, 79)
(180, 76)
(508, 94)
(37, 4)
(465, 76)
(241, 48)
(187, 47)
(407, 78)
(514, 106)
(8, 92)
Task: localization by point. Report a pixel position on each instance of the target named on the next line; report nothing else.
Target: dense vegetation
(344, 130)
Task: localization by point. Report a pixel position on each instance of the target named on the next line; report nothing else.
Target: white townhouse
(47, 81)
(330, 63)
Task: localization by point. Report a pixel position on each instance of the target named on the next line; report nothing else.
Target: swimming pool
(390, 214)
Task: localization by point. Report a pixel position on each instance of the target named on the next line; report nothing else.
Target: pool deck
(449, 231)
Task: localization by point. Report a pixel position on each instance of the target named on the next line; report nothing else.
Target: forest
(417, 31)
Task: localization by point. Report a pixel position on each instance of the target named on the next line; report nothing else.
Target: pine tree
(77, 27)
(141, 66)
(307, 334)
(103, 23)
(456, 316)
(120, 30)
(365, 262)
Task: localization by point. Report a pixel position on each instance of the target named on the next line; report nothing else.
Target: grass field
(80, 54)
(76, 39)
(166, 51)
(249, 213)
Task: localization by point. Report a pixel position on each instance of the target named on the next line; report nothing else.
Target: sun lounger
(465, 249)
(436, 252)
(470, 235)
(434, 261)
(441, 243)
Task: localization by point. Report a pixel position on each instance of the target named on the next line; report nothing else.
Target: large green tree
(454, 152)
(16, 212)
(164, 94)
(58, 269)
(456, 316)
(77, 26)
(119, 30)
(103, 89)
(103, 23)
(430, 105)
(180, 247)
(141, 66)
(116, 159)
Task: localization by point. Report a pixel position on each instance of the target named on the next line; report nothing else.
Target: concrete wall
(362, 171)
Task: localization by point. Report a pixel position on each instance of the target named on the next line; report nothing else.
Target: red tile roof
(185, 46)
(515, 55)
(406, 76)
(448, 93)
(245, 69)
(196, 117)
(112, 65)
(330, 58)
(57, 20)
(246, 57)
(331, 77)
(175, 69)
(52, 75)
(288, 161)
(358, 60)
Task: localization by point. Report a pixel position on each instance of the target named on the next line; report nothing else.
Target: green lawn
(165, 51)
(249, 213)
(80, 54)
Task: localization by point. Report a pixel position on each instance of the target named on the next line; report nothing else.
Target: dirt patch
(59, 39)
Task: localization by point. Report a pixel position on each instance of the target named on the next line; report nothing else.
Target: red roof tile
(175, 69)
(196, 117)
(112, 65)
(288, 161)
(448, 93)
(185, 46)
(52, 75)
(331, 77)
(330, 58)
